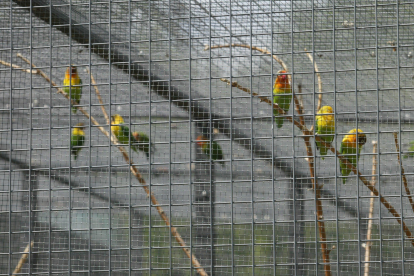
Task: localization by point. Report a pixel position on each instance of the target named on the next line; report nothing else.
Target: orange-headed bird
(282, 95)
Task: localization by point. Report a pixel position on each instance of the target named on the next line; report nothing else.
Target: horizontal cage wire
(188, 137)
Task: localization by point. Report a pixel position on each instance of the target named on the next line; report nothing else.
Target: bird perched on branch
(143, 142)
(282, 95)
(122, 132)
(217, 153)
(77, 140)
(72, 85)
(351, 144)
(325, 128)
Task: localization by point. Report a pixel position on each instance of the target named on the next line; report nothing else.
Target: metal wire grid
(91, 216)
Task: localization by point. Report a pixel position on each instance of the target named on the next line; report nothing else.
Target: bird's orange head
(282, 80)
(351, 139)
(201, 140)
(71, 71)
(80, 126)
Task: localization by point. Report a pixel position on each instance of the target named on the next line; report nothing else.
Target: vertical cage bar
(9, 259)
(109, 139)
(231, 136)
(397, 7)
(90, 208)
(252, 135)
(150, 128)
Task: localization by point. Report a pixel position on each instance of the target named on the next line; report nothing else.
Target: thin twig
(264, 51)
(18, 67)
(300, 98)
(306, 132)
(23, 259)
(134, 171)
(266, 100)
(299, 108)
(99, 96)
(319, 209)
(407, 190)
(319, 80)
(371, 210)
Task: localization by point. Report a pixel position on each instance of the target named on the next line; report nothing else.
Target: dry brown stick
(299, 109)
(344, 160)
(275, 57)
(371, 210)
(264, 51)
(134, 171)
(319, 209)
(14, 66)
(407, 190)
(319, 80)
(99, 96)
(266, 100)
(23, 259)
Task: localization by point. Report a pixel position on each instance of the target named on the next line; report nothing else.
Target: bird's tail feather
(279, 121)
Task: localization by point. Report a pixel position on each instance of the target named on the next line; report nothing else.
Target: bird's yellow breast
(78, 131)
(115, 129)
(325, 120)
(71, 80)
(349, 141)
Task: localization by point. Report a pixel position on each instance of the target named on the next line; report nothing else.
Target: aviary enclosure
(206, 137)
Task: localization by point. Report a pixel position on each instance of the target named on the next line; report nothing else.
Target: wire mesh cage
(206, 137)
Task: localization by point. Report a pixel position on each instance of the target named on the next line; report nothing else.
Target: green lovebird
(77, 140)
(72, 79)
(217, 153)
(143, 142)
(349, 147)
(122, 132)
(282, 95)
(325, 128)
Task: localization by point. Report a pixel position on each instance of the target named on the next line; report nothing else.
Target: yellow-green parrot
(217, 154)
(411, 149)
(282, 95)
(75, 89)
(122, 132)
(77, 140)
(325, 128)
(143, 142)
(349, 147)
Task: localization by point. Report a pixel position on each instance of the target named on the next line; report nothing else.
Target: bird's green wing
(352, 158)
(217, 153)
(76, 141)
(143, 143)
(284, 103)
(323, 134)
(411, 151)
